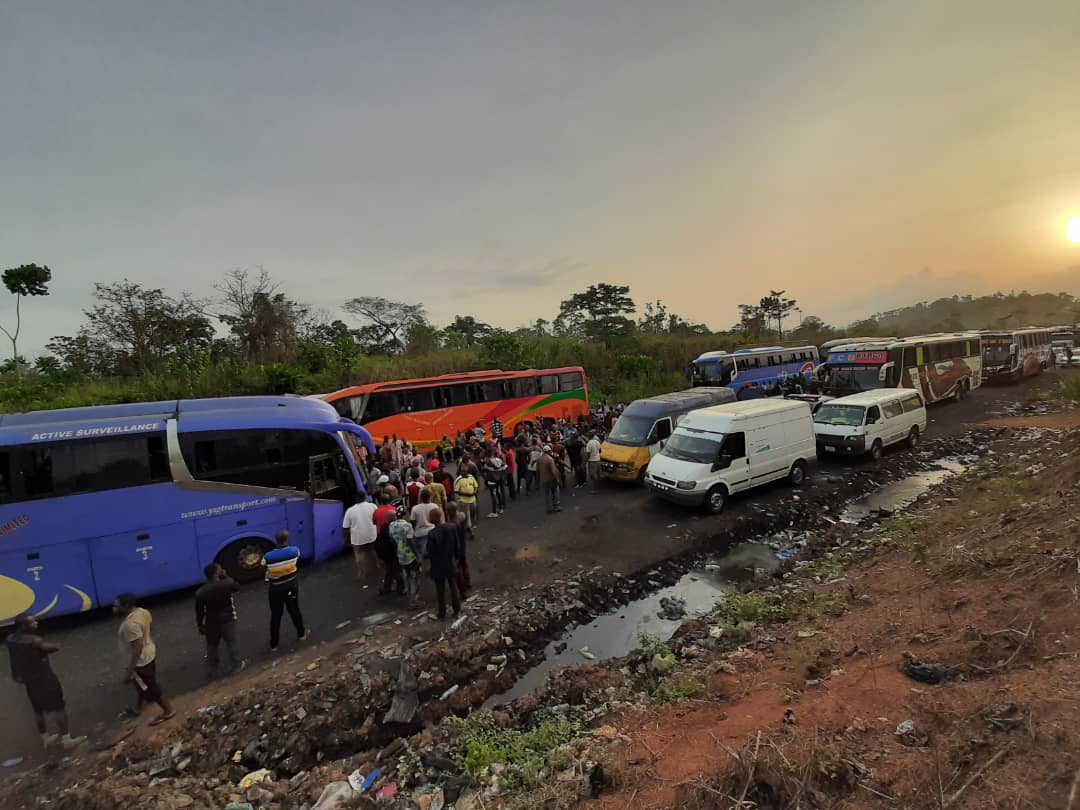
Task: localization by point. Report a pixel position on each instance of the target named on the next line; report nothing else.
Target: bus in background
(1010, 355)
(424, 410)
(104, 500)
(937, 366)
(646, 424)
(753, 373)
(1063, 342)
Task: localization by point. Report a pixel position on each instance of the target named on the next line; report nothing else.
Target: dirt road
(619, 529)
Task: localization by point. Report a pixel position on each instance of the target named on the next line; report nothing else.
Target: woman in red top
(432, 463)
(511, 471)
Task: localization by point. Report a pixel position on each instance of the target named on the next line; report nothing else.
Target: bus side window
(570, 381)
(5, 477)
(549, 384)
(912, 403)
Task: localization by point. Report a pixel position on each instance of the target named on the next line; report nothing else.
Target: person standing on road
(511, 472)
(30, 666)
(496, 429)
(465, 487)
(281, 573)
(457, 521)
(592, 461)
(408, 557)
(495, 478)
(548, 471)
(140, 652)
(442, 551)
(420, 517)
(436, 490)
(414, 487)
(360, 521)
(575, 452)
(215, 617)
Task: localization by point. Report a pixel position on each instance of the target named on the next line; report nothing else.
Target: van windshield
(631, 431)
(843, 380)
(848, 415)
(692, 448)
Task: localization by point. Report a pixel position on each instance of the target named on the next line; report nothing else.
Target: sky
(493, 158)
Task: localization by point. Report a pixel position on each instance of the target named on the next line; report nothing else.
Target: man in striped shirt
(281, 564)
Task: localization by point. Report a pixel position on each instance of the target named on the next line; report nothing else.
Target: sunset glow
(1072, 229)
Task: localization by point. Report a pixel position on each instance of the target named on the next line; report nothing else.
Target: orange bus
(424, 410)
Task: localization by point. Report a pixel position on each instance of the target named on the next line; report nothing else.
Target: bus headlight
(686, 485)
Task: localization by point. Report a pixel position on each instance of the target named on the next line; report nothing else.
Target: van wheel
(913, 438)
(875, 450)
(243, 559)
(714, 501)
(797, 474)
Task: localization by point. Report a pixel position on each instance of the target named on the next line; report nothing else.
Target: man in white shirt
(592, 460)
(359, 520)
(420, 516)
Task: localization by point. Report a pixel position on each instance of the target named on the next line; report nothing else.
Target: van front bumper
(620, 471)
(686, 497)
(838, 445)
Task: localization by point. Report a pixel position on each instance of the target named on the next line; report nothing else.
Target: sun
(1072, 230)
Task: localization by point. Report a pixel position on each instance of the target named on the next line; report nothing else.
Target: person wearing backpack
(408, 557)
(465, 488)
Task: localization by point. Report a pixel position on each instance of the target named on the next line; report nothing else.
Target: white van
(869, 421)
(728, 448)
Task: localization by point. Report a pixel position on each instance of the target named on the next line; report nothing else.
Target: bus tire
(243, 559)
(797, 474)
(913, 438)
(715, 499)
(876, 450)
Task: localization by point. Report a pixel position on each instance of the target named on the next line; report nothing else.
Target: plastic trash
(450, 691)
(334, 795)
(371, 777)
(254, 778)
(387, 791)
(356, 780)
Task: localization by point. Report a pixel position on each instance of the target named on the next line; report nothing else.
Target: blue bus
(99, 501)
(750, 373)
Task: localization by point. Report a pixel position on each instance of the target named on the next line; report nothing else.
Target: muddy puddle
(894, 496)
(617, 633)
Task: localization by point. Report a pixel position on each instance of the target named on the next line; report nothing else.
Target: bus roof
(704, 417)
(717, 355)
(191, 414)
(446, 379)
(882, 344)
(680, 401)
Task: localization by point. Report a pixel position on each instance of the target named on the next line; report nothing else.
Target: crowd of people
(421, 511)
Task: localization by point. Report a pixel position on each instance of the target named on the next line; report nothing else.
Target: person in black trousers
(386, 551)
(442, 551)
(281, 572)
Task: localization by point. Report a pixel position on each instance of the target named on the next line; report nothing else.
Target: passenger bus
(99, 501)
(1063, 339)
(938, 366)
(424, 410)
(829, 345)
(751, 373)
(1011, 355)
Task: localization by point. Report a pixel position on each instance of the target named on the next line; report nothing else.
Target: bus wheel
(913, 438)
(875, 450)
(714, 501)
(797, 473)
(243, 559)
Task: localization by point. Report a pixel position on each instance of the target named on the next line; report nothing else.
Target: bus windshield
(995, 353)
(692, 448)
(631, 431)
(846, 415)
(842, 380)
(713, 372)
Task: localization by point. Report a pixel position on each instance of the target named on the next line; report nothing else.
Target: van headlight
(686, 485)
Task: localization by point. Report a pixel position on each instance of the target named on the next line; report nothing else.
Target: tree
(502, 350)
(386, 324)
(134, 330)
(598, 313)
(465, 331)
(751, 321)
(775, 308)
(264, 322)
(26, 279)
(657, 320)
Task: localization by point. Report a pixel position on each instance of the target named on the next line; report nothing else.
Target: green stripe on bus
(577, 393)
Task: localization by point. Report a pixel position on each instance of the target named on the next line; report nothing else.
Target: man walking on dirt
(359, 519)
(281, 573)
(30, 666)
(215, 616)
(140, 652)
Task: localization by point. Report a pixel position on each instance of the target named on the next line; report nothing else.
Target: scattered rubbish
(807, 633)
(314, 665)
(239, 806)
(345, 623)
(387, 791)
(334, 795)
(301, 713)
(371, 777)
(1006, 717)
(452, 690)
(11, 763)
(586, 653)
(253, 778)
(906, 727)
(923, 671)
(406, 701)
(356, 780)
(206, 709)
(460, 620)
(368, 632)
(672, 608)
(598, 780)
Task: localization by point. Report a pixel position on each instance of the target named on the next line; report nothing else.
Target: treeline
(138, 343)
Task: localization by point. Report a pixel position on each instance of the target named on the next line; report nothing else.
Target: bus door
(329, 487)
(46, 579)
(147, 560)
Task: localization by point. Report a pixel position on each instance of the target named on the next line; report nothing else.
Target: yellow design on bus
(15, 597)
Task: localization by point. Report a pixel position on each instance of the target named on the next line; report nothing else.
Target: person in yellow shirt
(465, 488)
(438, 491)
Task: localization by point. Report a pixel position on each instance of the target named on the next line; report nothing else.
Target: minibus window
(735, 445)
(892, 409)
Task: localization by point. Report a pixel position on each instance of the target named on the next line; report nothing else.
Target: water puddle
(895, 496)
(616, 634)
